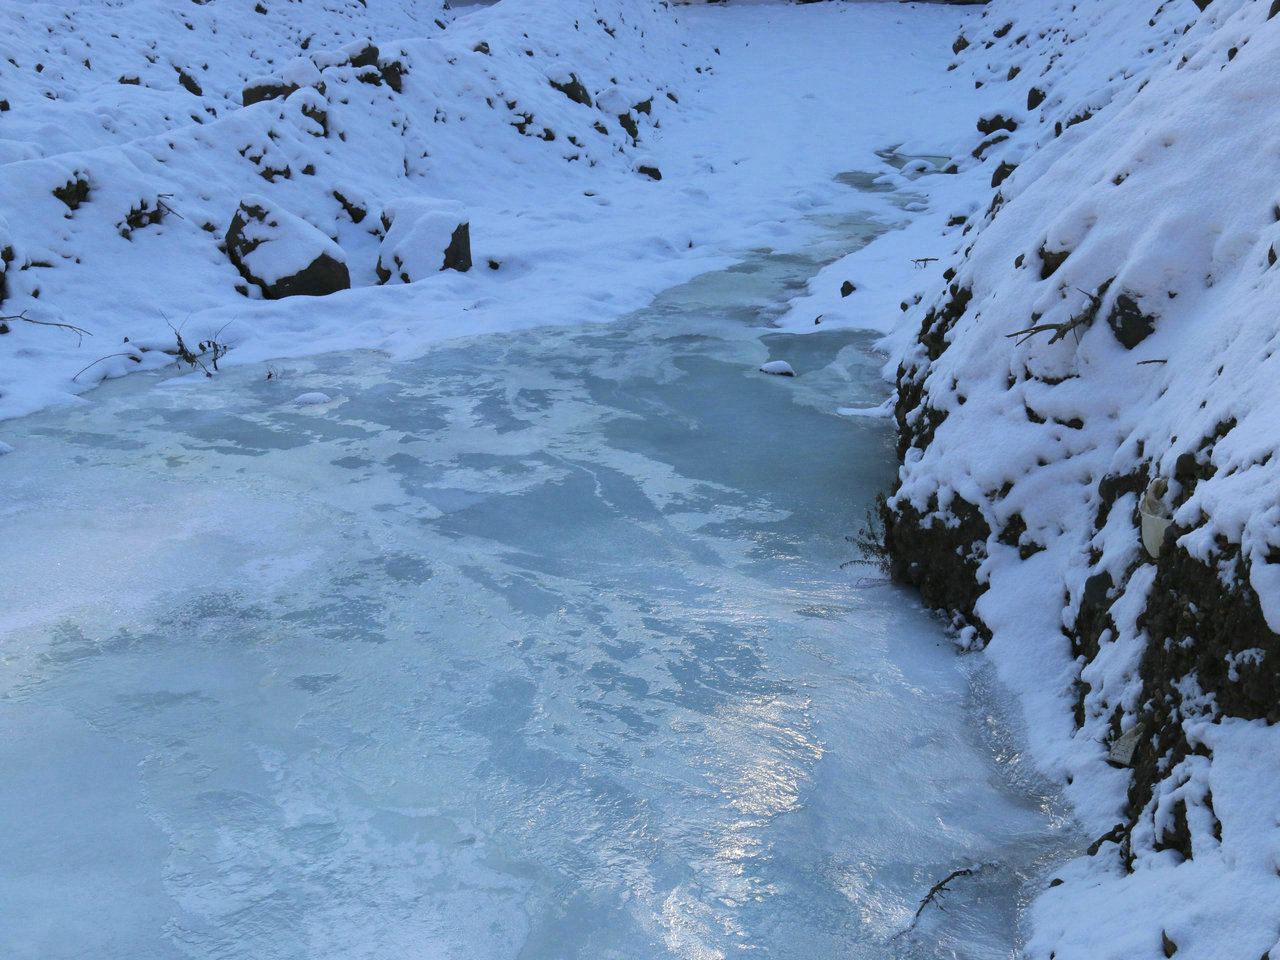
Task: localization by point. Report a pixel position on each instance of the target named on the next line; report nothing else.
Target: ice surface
(538, 646)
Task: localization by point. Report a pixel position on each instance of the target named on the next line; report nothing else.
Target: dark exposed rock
(365, 56)
(1127, 321)
(392, 73)
(6, 258)
(189, 82)
(989, 125)
(939, 320)
(352, 209)
(1080, 117)
(1002, 172)
(1051, 260)
(74, 192)
(318, 115)
(653, 173)
(847, 288)
(574, 90)
(457, 255)
(940, 556)
(259, 90)
(629, 124)
(142, 215)
(1092, 619)
(1035, 97)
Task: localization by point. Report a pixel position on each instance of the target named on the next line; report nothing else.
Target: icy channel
(537, 647)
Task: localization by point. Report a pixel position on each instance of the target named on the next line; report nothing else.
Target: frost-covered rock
(282, 254)
(424, 236)
(779, 368)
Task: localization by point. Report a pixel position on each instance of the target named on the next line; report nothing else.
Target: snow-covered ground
(1096, 363)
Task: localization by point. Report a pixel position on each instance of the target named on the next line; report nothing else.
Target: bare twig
(1141, 362)
(923, 261)
(80, 332)
(1060, 330)
(160, 202)
(132, 356)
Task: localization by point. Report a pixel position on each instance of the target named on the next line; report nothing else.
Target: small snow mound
(881, 411)
(5, 448)
(310, 399)
(778, 368)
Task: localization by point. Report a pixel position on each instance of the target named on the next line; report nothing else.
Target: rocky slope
(1101, 350)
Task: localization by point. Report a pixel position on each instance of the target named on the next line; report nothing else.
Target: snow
(312, 398)
(778, 368)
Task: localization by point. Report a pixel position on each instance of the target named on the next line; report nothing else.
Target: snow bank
(1107, 321)
(129, 136)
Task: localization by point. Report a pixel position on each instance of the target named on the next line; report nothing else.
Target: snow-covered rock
(424, 236)
(779, 368)
(282, 254)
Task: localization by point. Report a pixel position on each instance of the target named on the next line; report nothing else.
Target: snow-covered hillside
(130, 136)
(1100, 349)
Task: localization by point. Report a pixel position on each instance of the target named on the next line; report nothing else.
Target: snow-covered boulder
(779, 368)
(282, 254)
(424, 236)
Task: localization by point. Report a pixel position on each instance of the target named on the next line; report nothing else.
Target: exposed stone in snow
(779, 368)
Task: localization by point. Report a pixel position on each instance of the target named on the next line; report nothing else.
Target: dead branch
(1082, 319)
(80, 332)
(132, 356)
(211, 347)
(160, 202)
(941, 887)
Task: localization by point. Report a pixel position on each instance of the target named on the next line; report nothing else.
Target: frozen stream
(537, 647)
